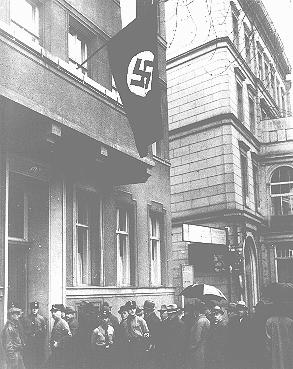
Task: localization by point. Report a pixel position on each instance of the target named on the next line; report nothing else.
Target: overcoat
(35, 328)
(12, 345)
(279, 334)
(198, 343)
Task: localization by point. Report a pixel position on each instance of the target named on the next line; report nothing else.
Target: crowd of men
(204, 335)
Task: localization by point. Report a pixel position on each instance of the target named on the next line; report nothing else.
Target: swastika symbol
(140, 73)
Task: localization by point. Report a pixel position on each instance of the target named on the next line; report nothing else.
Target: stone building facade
(83, 218)
(229, 131)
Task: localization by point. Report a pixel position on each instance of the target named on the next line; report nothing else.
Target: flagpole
(92, 54)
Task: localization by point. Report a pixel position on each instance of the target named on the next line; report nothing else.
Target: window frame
(255, 173)
(33, 33)
(93, 226)
(252, 112)
(240, 100)
(122, 279)
(82, 36)
(235, 27)
(23, 239)
(243, 148)
(281, 195)
(155, 223)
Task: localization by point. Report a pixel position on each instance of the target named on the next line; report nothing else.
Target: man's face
(56, 314)
(241, 313)
(69, 316)
(132, 311)
(35, 311)
(124, 315)
(218, 317)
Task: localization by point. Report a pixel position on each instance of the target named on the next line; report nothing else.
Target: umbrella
(203, 291)
(279, 292)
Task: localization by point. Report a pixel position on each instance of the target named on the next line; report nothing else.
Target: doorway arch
(250, 272)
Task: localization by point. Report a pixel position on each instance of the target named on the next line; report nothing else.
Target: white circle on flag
(140, 73)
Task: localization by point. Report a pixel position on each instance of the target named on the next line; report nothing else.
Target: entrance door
(250, 273)
(17, 275)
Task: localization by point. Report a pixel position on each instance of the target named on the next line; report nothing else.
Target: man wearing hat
(138, 332)
(174, 336)
(154, 326)
(121, 339)
(216, 346)
(71, 343)
(12, 341)
(113, 319)
(59, 337)
(198, 337)
(239, 337)
(102, 342)
(35, 329)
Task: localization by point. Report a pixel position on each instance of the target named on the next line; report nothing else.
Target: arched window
(282, 191)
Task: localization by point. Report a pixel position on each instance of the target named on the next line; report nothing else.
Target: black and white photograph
(146, 184)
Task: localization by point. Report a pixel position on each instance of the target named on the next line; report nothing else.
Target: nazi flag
(133, 58)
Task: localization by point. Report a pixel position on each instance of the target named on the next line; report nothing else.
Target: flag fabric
(133, 57)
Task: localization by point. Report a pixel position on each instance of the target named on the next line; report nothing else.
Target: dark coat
(154, 325)
(239, 342)
(35, 329)
(12, 345)
(216, 347)
(279, 332)
(61, 335)
(173, 336)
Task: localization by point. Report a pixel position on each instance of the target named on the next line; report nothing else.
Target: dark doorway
(17, 275)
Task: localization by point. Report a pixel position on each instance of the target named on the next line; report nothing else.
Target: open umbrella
(203, 291)
(279, 292)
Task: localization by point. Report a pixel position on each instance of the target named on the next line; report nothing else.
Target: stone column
(57, 245)
(3, 218)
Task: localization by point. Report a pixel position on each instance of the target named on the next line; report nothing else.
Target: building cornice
(207, 216)
(258, 15)
(215, 121)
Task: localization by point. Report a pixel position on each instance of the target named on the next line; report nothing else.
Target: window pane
(276, 206)
(82, 251)
(15, 211)
(284, 174)
(286, 207)
(25, 14)
(285, 188)
(82, 209)
(122, 220)
(276, 189)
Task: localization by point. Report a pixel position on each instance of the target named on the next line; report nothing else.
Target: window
(260, 66)
(267, 80)
(24, 15)
(256, 184)
(283, 102)
(251, 113)
(78, 47)
(273, 83)
(87, 238)
(284, 256)
(278, 93)
(282, 191)
(235, 30)
(155, 244)
(17, 209)
(244, 171)
(239, 101)
(123, 247)
(247, 49)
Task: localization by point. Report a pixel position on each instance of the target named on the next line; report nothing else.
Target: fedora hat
(149, 305)
(163, 308)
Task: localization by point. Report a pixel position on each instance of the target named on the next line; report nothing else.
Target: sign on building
(205, 235)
